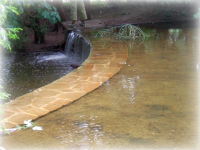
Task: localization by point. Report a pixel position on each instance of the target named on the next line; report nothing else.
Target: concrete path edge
(106, 58)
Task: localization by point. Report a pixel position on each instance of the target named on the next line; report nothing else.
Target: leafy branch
(41, 9)
(9, 27)
(3, 95)
(14, 15)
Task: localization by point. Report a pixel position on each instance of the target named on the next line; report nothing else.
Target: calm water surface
(23, 73)
(151, 103)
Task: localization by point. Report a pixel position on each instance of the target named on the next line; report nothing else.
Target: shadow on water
(151, 103)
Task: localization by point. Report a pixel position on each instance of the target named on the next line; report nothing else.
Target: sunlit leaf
(46, 14)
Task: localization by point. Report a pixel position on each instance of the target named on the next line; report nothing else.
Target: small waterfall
(77, 48)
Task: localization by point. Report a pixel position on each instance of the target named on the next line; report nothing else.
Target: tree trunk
(87, 8)
(39, 36)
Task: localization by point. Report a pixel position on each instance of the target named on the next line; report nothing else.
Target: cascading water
(25, 72)
(77, 48)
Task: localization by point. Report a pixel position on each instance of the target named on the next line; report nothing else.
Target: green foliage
(19, 42)
(3, 95)
(127, 32)
(4, 130)
(9, 27)
(197, 15)
(39, 14)
(13, 15)
(43, 10)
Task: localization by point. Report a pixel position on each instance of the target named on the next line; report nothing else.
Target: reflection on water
(151, 103)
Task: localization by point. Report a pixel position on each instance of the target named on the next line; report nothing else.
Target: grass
(3, 96)
(125, 32)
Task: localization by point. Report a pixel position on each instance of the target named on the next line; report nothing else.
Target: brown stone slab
(57, 85)
(97, 46)
(6, 114)
(9, 108)
(116, 64)
(85, 73)
(120, 60)
(105, 60)
(46, 93)
(105, 75)
(30, 109)
(88, 67)
(94, 62)
(56, 104)
(19, 118)
(102, 57)
(8, 125)
(108, 70)
(97, 79)
(21, 101)
(87, 87)
(39, 102)
(73, 96)
(69, 78)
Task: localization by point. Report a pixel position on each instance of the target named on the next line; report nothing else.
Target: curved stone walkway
(106, 59)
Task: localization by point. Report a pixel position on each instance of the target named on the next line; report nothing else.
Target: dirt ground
(121, 13)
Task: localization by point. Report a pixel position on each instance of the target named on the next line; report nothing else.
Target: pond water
(151, 103)
(25, 72)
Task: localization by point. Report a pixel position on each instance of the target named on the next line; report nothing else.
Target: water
(151, 103)
(25, 72)
(76, 48)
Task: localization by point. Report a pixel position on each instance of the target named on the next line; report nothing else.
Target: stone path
(105, 60)
(97, 23)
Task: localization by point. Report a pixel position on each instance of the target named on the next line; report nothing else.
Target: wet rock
(75, 66)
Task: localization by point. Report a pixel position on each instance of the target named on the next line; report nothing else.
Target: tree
(37, 13)
(9, 27)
